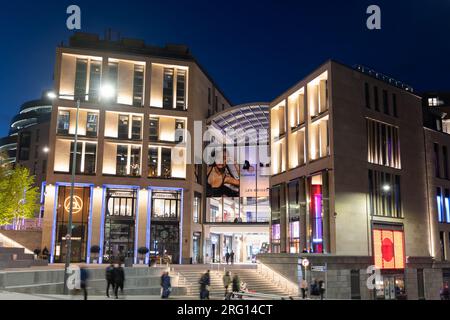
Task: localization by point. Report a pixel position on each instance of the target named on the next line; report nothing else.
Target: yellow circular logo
(77, 204)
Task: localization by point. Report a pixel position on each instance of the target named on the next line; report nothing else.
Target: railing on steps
(277, 279)
(258, 296)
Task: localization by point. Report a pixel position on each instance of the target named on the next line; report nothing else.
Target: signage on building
(319, 268)
(389, 249)
(77, 204)
(253, 177)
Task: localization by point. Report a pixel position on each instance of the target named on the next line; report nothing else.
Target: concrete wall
(338, 277)
(28, 239)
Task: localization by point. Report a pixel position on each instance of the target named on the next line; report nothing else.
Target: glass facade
(80, 221)
(384, 194)
(165, 227)
(119, 234)
(300, 215)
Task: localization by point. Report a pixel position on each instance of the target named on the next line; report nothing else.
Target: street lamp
(106, 91)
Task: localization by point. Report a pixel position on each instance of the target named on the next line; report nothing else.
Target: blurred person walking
(109, 275)
(119, 279)
(165, 285)
(226, 282)
(205, 282)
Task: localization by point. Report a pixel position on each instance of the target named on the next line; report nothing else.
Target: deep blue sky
(253, 49)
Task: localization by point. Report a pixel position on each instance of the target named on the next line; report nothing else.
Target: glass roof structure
(247, 117)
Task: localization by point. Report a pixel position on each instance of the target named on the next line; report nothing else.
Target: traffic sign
(305, 262)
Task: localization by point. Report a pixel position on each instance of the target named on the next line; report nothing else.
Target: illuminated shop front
(244, 242)
(81, 209)
(305, 226)
(166, 218)
(389, 257)
(120, 223)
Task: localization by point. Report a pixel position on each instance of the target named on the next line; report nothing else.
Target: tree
(18, 195)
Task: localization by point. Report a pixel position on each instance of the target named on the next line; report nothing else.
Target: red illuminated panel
(399, 250)
(389, 250)
(377, 249)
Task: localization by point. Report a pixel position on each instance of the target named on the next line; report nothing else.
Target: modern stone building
(349, 186)
(130, 191)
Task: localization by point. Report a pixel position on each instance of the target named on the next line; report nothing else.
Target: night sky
(254, 50)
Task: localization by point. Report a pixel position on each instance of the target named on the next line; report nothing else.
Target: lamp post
(107, 92)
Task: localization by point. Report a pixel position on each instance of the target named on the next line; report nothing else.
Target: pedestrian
(226, 282)
(232, 257)
(304, 288)
(45, 254)
(445, 292)
(84, 276)
(315, 288)
(119, 279)
(165, 285)
(227, 257)
(321, 289)
(205, 282)
(236, 285)
(109, 275)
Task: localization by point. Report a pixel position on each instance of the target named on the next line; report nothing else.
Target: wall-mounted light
(46, 149)
(386, 188)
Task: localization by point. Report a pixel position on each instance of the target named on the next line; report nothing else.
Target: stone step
(140, 291)
(12, 264)
(12, 250)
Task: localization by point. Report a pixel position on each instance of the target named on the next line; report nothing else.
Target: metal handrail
(277, 278)
(262, 296)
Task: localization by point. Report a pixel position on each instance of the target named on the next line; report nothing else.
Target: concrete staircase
(139, 281)
(11, 258)
(255, 281)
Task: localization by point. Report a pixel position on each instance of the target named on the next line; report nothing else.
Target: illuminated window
(384, 194)
(154, 129)
(85, 158)
(389, 249)
(443, 205)
(433, 102)
(168, 88)
(112, 78)
(152, 162)
(383, 144)
(87, 88)
(316, 213)
(123, 127)
(317, 94)
(138, 85)
(136, 127)
(319, 144)
(275, 236)
(81, 79)
(197, 208)
(181, 89)
(296, 109)
(63, 122)
(91, 124)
